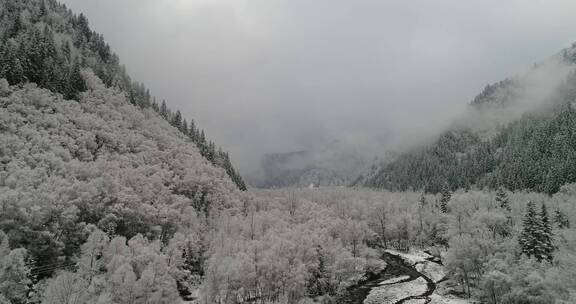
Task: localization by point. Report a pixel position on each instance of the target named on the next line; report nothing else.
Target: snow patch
(433, 271)
(416, 301)
(394, 280)
(397, 292)
(412, 257)
(438, 299)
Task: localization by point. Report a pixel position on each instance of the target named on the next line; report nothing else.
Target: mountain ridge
(516, 134)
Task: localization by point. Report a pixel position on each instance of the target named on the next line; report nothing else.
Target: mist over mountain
(517, 134)
(109, 195)
(336, 164)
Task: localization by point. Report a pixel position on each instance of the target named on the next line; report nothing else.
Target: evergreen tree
(184, 127)
(536, 237)
(546, 245)
(445, 197)
(528, 237)
(155, 106)
(201, 143)
(192, 130)
(502, 199)
(76, 83)
(164, 110)
(561, 219)
(177, 120)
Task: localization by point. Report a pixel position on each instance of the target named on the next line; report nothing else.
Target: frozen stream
(408, 278)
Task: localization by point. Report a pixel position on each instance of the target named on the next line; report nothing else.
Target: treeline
(497, 247)
(43, 42)
(536, 152)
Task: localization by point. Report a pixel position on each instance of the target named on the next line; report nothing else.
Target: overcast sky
(282, 75)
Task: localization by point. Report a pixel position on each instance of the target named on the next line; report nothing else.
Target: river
(399, 282)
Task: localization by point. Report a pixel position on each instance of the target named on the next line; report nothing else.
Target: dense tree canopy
(535, 152)
(43, 42)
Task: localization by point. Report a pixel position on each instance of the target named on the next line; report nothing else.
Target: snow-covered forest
(108, 196)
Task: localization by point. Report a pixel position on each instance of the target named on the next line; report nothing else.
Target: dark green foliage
(445, 197)
(545, 235)
(177, 120)
(561, 219)
(502, 199)
(457, 158)
(164, 110)
(528, 238)
(536, 237)
(536, 152)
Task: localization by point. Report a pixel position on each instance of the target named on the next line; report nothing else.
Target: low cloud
(267, 76)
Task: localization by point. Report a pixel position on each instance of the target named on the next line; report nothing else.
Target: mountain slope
(45, 43)
(83, 149)
(336, 164)
(518, 134)
(98, 161)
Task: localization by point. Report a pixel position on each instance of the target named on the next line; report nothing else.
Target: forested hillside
(45, 43)
(336, 164)
(109, 197)
(103, 202)
(518, 134)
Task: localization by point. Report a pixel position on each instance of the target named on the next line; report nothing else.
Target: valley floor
(420, 282)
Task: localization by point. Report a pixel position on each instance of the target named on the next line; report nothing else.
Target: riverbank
(409, 278)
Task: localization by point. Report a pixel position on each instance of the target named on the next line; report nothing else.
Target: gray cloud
(281, 75)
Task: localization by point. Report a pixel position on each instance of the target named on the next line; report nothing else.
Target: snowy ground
(432, 270)
(394, 280)
(412, 257)
(416, 301)
(397, 292)
(438, 299)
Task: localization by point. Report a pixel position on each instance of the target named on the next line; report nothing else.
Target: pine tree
(184, 126)
(177, 120)
(201, 143)
(164, 110)
(536, 237)
(445, 197)
(528, 237)
(502, 199)
(544, 236)
(155, 106)
(561, 219)
(76, 83)
(192, 130)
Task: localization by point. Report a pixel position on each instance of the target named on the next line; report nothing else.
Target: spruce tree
(502, 199)
(184, 126)
(192, 130)
(155, 106)
(561, 219)
(528, 237)
(545, 244)
(164, 110)
(536, 237)
(177, 120)
(445, 197)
